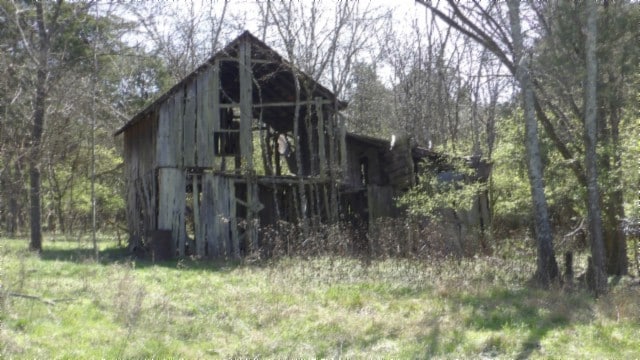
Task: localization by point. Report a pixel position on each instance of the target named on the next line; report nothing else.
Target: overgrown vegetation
(327, 306)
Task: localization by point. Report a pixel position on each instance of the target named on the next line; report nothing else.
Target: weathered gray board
(141, 216)
(215, 96)
(164, 134)
(140, 159)
(204, 116)
(210, 228)
(169, 144)
(171, 206)
(400, 164)
(189, 132)
(177, 128)
(214, 211)
(217, 217)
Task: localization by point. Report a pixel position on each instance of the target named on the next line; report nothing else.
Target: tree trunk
(36, 132)
(34, 162)
(615, 241)
(547, 267)
(599, 283)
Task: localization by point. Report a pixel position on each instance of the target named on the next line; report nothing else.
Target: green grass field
(318, 308)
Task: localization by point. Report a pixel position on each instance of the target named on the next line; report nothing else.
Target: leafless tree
(193, 34)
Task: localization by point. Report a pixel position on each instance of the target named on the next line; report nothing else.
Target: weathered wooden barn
(243, 142)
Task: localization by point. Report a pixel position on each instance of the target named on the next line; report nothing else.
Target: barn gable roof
(260, 51)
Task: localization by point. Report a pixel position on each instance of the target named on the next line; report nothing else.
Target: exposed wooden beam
(279, 104)
(253, 61)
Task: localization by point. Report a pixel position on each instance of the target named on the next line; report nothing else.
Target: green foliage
(630, 167)
(125, 79)
(67, 189)
(509, 185)
(510, 189)
(437, 190)
(560, 69)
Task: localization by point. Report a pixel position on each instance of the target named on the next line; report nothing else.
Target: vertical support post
(246, 143)
(246, 104)
(332, 209)
(321, 143)
(215, 104)
(343, 142)
(338, 159)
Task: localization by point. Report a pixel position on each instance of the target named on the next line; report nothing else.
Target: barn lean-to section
(247, 142)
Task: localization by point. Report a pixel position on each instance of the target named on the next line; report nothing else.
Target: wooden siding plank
(178, 230)
(204, 120)
(178, 101)
(147, 192)
(172, 152)
(189, 131)
(171, 206)
(164, 133)
(165, 200)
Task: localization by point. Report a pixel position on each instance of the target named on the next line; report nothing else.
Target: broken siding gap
(198, 233)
